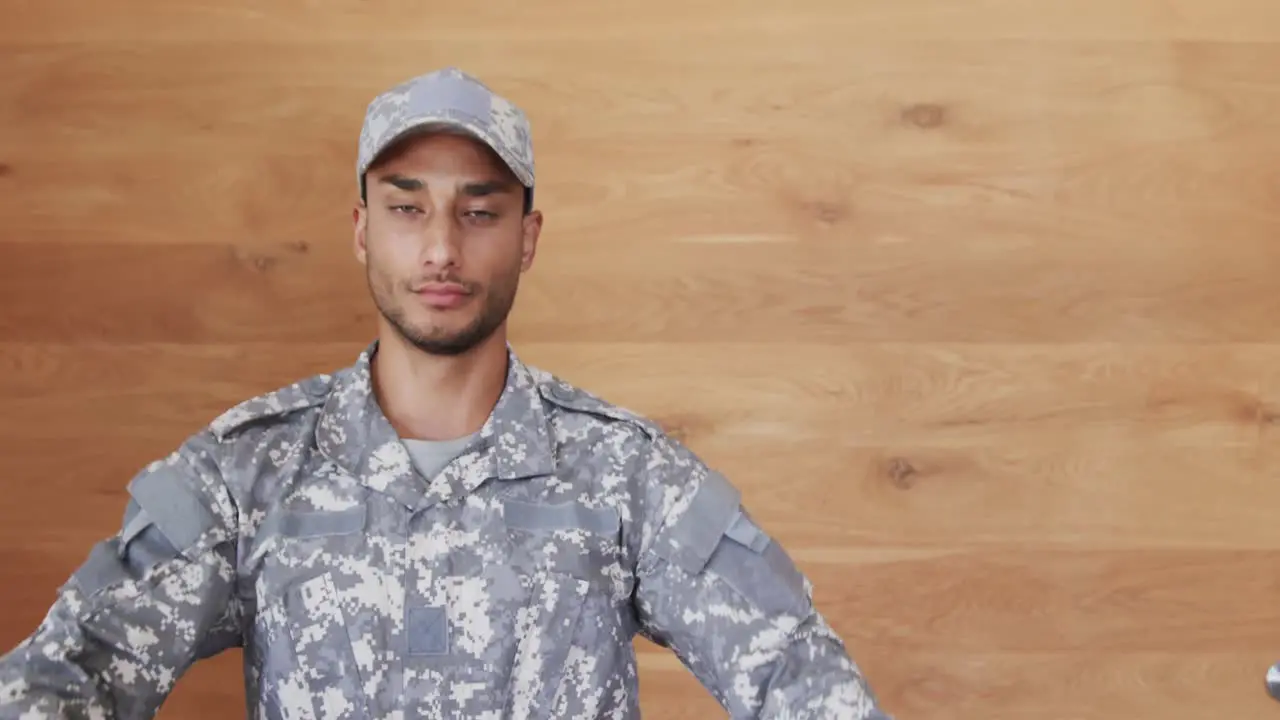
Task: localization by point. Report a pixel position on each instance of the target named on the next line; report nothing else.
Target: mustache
(417, 284)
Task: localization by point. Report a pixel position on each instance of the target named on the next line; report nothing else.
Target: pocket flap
(561, 516)
(317, 523)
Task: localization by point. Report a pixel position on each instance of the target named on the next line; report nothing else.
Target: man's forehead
(469, 183)
(460, 155)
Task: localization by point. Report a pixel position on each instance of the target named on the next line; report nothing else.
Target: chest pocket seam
(570, 540)
(322, 647)
(312, 628)
(570, 544)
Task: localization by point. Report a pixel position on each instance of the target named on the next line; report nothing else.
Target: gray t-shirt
(430, 456)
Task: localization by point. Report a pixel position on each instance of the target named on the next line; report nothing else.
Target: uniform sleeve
(144, 605)
(727, 599)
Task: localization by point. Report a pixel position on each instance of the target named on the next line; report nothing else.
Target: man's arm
(146, 603)
(729, 602)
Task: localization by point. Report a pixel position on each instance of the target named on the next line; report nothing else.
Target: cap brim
(428, 124)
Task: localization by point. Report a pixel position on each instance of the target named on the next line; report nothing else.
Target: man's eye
(481, 214)
(404, 209)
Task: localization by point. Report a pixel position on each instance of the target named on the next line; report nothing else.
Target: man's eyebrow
(487, 187)
(402, 182)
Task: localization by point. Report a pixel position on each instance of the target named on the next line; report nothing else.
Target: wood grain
(543, 25)
(975, 301)
(874, 202)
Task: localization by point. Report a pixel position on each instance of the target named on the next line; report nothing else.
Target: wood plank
(1088, 491)
(845, 452)
(1032, 599)
(757, 293)
(935, 392)
(500, 26)
(186, 293)
(855, 395)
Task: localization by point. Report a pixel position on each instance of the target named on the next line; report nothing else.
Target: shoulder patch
(278, 403)
(574, 398)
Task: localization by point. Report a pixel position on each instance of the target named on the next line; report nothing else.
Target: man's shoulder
(580, 403)
(282, 405)
(670, 476)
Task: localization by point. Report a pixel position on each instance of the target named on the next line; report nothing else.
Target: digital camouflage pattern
(510, 585)
(447, 97)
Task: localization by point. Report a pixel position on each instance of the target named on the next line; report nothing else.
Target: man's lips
(442, 289)
(442, 294)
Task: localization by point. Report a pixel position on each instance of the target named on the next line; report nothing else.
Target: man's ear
(360, 223)
(532, 230)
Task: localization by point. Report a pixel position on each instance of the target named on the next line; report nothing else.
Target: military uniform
(508, 585)
(367, 579)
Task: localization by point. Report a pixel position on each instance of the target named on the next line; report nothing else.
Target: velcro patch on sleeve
(693, 536)
(173, 507)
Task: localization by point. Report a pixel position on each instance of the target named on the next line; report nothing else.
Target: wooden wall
(978, 302)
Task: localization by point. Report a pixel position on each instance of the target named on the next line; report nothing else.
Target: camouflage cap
(447, 98)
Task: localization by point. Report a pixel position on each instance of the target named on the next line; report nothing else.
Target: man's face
(444, 240)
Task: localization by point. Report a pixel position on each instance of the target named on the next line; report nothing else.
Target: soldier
(438, 529)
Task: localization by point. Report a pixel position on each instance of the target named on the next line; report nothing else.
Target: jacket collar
(514, 443)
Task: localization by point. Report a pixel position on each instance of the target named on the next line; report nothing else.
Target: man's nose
(441, 240)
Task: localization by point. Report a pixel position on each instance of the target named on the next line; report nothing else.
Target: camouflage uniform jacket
(508, 586)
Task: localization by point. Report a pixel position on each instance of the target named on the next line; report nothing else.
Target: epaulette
(578, 399)
(273, 405)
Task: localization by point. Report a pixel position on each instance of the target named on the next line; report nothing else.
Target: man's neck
(428, 397)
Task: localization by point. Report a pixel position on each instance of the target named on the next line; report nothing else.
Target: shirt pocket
(307, 641)
(569, 539)
(569, 556)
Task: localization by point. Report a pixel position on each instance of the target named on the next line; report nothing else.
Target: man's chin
(437, 340)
